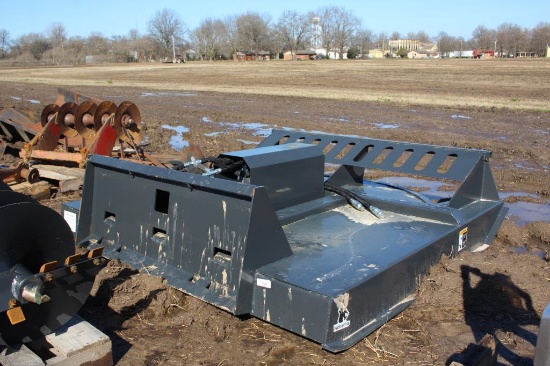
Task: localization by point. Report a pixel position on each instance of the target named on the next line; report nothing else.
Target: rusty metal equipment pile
(68, 132)
(86, 128)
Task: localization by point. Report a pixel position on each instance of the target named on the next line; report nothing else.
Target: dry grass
(515, 84)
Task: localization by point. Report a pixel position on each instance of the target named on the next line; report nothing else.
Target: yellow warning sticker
(462, 239)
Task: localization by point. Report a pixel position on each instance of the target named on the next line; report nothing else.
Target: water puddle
(33, 101)
(167, 94)
(525, 250)
(505, 195)
(526, 165)
(337, 119)
(177, 142)
(145, 140)
(542, 132)
(522, 213)
(257, 129)
(460, 116)
(385, 126)
(429, 188)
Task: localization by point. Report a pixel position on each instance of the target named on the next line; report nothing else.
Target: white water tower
(315, 32)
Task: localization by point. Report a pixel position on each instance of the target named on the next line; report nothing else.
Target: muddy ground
(501, 291)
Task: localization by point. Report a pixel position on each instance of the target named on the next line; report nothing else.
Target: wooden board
(67, 179)
(76, 343)
(36, 190)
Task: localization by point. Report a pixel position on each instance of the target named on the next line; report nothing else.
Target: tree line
(332, 28)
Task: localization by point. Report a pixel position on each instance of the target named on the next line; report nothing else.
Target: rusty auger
(85, 129)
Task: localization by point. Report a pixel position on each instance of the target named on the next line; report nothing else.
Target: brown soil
(501, 291)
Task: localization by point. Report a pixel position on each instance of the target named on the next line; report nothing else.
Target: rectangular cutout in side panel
(162, 199)
(222, 254)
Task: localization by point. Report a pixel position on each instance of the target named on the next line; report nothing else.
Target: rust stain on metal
(19, 172)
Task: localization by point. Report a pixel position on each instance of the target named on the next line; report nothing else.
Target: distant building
(461, 54)
(300, 55)
(331, 55)
(547, 51)
(251, 55)
(407, 44)
(376, 53)
(264, 55)
(484, 53)
(417, 54)
(526, 54)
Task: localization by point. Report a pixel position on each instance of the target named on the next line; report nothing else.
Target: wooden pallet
(67, 179)
(76, 343)
(36, 190)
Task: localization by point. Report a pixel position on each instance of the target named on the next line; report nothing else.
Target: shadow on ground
(494, 305)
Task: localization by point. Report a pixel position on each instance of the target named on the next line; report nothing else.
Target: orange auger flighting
(43, 281)
(84, 129)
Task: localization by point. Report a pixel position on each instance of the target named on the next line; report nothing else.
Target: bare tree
(33, 45)
(327, 20)
(422, 36)
(363, 40)
(166, 27)
(210, 38)
(294, 30)
(253, 31)
(511, 39)
(395, 36)
(75, 50)
(345, 26)
(382, 41)
(56, 33)
(483, 38)
(231, 33)
(4, 42)
(445, 43)
(97, 44)
(540, 38)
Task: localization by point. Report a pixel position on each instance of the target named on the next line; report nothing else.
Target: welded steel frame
(305, 265)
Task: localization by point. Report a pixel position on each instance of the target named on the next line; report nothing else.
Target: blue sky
(457, 18)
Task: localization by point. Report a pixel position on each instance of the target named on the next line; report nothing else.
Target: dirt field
(503, 106)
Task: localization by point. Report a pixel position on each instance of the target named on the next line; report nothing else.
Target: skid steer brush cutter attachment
(265, 232)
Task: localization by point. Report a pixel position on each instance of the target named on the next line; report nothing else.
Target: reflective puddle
(257, 129)
(167, 94)
(520, 212)
(33, 101)
(337, 119)
(385, 126)
(177, 142)
(525, 250)
(460, 116)
(430, 188)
